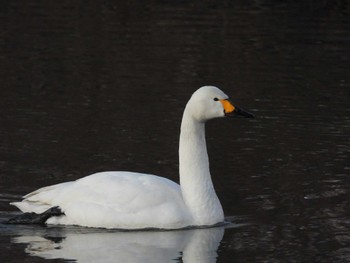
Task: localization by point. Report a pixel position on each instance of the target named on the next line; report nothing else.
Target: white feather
(130, 200)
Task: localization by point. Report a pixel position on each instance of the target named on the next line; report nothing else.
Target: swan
(129, 200)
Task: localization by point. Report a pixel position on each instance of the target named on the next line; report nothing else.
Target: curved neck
(195, 180)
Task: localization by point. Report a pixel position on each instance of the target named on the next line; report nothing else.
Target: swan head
(209, 102)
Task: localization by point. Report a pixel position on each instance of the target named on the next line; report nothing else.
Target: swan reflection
(96, 245)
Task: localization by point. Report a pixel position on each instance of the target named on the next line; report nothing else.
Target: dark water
(94, 86)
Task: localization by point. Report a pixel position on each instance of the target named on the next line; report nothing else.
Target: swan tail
(33, 218)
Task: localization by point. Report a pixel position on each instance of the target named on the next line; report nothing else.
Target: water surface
(102, 86)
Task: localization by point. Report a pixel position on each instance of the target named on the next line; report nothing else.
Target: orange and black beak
(231, 110)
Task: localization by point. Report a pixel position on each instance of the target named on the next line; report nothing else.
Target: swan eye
(216, 99)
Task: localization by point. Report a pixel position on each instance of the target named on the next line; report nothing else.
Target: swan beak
(231, 110)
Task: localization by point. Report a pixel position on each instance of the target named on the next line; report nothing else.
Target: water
(102, 86)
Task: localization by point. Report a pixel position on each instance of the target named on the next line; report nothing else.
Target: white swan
(129, 200)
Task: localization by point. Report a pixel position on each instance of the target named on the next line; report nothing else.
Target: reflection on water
(98, 245)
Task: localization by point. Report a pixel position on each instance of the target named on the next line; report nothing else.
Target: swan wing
(112, 200)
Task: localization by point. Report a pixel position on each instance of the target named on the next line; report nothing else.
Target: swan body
(128, 200)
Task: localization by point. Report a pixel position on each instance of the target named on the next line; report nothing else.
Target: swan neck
(192, 149)
(195, 180)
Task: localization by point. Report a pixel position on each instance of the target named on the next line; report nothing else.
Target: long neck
(195, 180)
